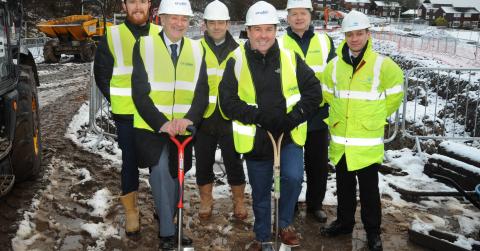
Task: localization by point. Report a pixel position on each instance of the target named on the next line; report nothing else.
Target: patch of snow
(84, 175)
(456, 163)
(463, 150)
(467, 224)
(101, 202)
(89, 140)
(100, 230)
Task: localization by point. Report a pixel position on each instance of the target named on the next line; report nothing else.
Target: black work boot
(318, 214)
(168, 243)
(336, 228)
(374, 242)
(186, 241)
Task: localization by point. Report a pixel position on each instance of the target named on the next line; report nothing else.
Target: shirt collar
(168, 42)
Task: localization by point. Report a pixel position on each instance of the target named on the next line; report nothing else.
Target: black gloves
(276, 122)
(269, 120)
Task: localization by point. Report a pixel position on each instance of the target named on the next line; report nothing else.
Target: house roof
(429, 6)
(409, 12)
(391, 4)
(457, 3)
(447, 9)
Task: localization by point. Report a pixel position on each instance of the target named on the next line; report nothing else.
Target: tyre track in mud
(55, 118)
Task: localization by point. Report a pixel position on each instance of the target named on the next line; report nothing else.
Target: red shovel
(181, 175)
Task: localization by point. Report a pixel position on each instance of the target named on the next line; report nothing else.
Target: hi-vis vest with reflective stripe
(243, 134)
(317, 53)
(171, 89)
(120, 42)
(360, 102)
(215, 74)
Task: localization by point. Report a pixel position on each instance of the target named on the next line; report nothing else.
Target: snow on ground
(465, 151)
(406, 160)
(89, 140)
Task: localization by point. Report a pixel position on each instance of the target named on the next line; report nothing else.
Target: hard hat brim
(360, 27)
(175, 13)
(253, 24)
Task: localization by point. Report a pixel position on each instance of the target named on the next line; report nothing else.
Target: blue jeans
(260, 174)
(129, 158)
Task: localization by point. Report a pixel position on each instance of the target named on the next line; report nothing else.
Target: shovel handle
(277, 144)
(181, 160)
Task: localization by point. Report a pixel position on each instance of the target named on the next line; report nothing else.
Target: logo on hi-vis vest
(188, 64)
(365, 81)
(293, 89)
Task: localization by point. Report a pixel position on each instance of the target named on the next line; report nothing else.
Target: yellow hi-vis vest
(171, 88)
(120, 42)
(215, 73)
(243, 134)
(317, 53)
(359, 103)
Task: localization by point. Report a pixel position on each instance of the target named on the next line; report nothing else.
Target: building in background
(385, 9)
(458, 13)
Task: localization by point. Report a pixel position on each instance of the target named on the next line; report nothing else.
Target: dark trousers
(371, 210)
(129, 159)
(205, 147)
(316, 167)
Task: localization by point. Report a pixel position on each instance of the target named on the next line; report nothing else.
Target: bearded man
(113, 73)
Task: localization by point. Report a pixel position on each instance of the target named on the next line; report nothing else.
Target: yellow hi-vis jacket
(359, 103)
(215, 71)
(243, 134)
(171, 88)
(317, 53)
(120, 43)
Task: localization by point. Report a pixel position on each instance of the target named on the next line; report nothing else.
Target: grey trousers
(165, 194)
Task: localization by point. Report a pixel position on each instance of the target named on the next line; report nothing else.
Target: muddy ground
(60, 207)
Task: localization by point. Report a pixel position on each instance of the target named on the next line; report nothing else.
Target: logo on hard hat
(355, 24)
(263, 12)
(180, 3)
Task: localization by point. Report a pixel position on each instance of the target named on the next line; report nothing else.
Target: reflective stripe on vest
(358, 109)
(243, 134)
(215, 73)
(357, 141)
(372, 95)
(120, 42)
(171, 88)
(317, 53)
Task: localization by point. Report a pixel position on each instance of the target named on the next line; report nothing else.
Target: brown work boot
(206, 201)
(289, 237)
(132, 214)
(239, 210)
(260, 246)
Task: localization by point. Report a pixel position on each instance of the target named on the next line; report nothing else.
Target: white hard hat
(216, 10)
(355, 20)
(307, 4)
(175, 7)
(261, 13)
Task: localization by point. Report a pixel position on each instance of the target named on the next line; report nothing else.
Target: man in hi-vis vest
(363, 89)
(317, 50)
(170, 91)
(113, 71)
(267, 88)
(215, 129)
